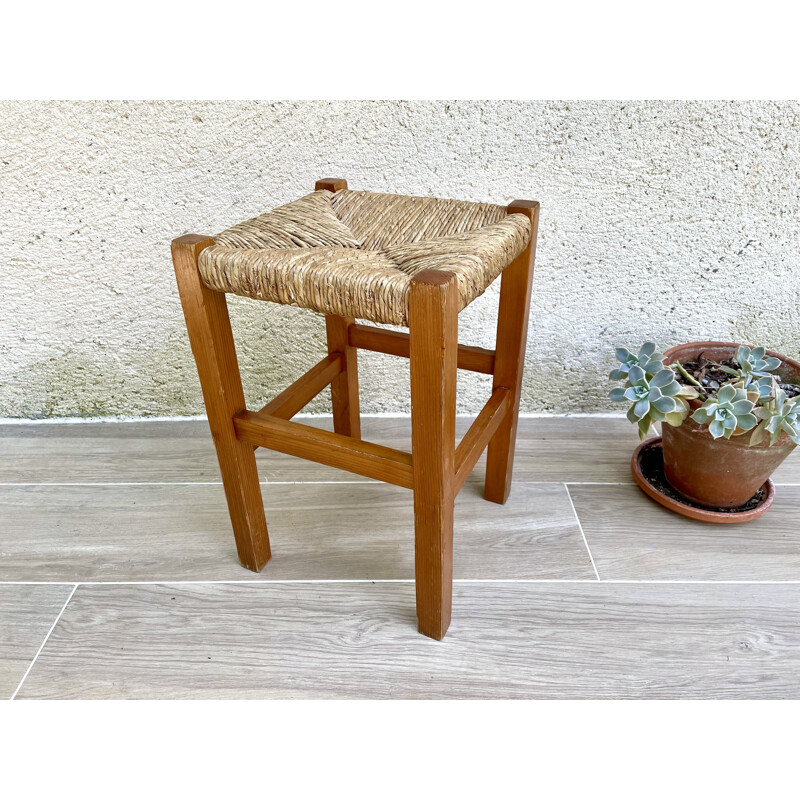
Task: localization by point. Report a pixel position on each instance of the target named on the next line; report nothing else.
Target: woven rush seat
(354, 253)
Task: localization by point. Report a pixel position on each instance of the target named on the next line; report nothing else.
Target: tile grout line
(5, 484)
(298, 581)
(301, 483)
(41, 646)
(580, 527)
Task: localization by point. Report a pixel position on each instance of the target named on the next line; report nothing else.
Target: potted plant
(732, 415)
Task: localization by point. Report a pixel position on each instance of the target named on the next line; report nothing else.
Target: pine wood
(324, 447)
(344, 387)
(512, 334)
(330, 184)
(433, 328)
(211, 339)
(480, 433)
(396, 343)
(297, 396)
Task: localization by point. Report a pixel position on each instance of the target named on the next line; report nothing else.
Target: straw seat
(354, 253)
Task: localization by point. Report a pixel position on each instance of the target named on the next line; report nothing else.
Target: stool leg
(344, 387)
(512, 335)
(211, 339)
(433, 331)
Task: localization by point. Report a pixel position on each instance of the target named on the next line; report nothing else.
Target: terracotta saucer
(684, 507)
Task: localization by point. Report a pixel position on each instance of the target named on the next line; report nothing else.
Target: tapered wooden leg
(344, 387)
(211, 339)
(433, 331)
(512, 334)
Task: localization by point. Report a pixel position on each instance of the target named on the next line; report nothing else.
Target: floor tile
(633, 538)
(587, 640)
(318, 531)
(26, 614)
(548, 449)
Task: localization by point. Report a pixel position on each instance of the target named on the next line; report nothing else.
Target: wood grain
(478, 436)
(334, 449)
(344, 388)
(26, 614)
(396, 343)
(563, 641)
(323, 531)
(433, 328)
(509, 361)
(297, 396)
(632, 538)
(211, 338)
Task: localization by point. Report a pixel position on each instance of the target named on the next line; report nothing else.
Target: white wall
(671, 221)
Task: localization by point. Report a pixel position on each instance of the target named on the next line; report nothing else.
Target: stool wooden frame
(436, 468)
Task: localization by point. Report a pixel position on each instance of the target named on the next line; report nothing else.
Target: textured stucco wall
(672, 221)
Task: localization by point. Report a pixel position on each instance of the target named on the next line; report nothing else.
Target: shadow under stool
(409, 261)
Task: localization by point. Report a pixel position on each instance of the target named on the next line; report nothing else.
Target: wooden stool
(410, 261)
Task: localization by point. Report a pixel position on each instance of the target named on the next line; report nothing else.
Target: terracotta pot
(719, 473)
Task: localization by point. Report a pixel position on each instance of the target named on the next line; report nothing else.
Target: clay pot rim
(671, 354)
(692, 512)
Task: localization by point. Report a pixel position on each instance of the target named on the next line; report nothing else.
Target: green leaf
(648, 348)
(617, 394)
(641, 408)
(663, 378)
(624, 355)
(729, 423)
(727, 393)
(636, 375)
(771, 363)
(716, 429)
(742, 353)
(671, 389)
(747, 421)
(665, 404)
(617, 375)
(702, 415)
(742, 407)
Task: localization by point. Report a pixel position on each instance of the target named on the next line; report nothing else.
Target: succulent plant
(754, 369)
(751, 400)
(778, 416)
(648, 359)
(764, 386)
(729, 413)
(654, 398)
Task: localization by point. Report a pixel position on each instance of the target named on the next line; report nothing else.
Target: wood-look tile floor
(118, 577)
